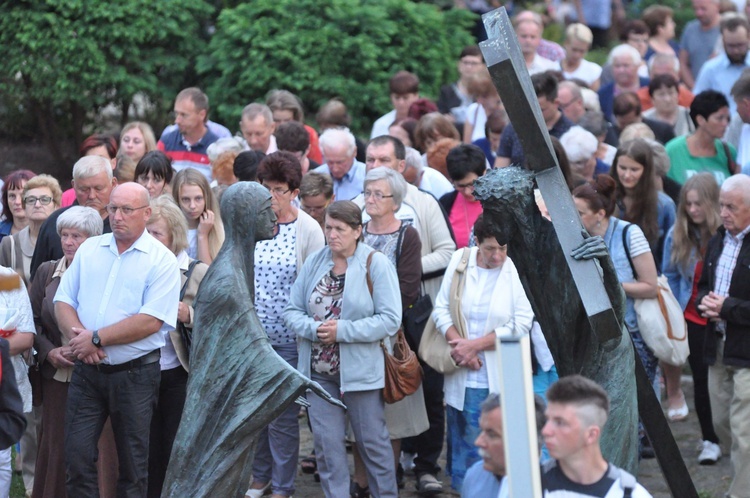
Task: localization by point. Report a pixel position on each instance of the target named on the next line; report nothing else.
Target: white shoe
(257, 493)
(407, 461)
(710, 453)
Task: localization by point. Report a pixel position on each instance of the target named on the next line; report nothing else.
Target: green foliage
(66, 55)
(320, 49)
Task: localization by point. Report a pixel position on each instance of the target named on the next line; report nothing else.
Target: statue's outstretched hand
(318, 389)
(592, 247)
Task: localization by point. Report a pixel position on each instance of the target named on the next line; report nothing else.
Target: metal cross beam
(508, 70)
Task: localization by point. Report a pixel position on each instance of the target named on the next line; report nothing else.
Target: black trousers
(696, 338)
(128, 398)
(164, 424)
(429, 444)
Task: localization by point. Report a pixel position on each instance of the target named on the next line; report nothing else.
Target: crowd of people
(654, 147)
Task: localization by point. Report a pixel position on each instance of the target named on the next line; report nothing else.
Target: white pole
(519, 419)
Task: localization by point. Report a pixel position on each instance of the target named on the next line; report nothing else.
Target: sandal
(428, 485)
(309, 465)
(356, 491)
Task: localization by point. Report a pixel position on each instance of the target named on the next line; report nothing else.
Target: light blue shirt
(718, 74)
(350, 186)
(105, 287)
(479, 482)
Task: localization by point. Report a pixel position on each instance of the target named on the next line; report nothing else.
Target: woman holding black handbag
(168, 225)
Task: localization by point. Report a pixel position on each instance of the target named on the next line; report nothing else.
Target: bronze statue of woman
(237, 383)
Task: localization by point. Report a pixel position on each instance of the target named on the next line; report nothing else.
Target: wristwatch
(96, 340)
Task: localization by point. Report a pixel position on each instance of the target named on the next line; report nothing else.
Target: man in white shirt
(741, 96)
(114, 304)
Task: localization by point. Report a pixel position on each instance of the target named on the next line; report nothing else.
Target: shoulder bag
(415, 316)
(660, 319)
(434, 348)
(403, 373)
(186, 334)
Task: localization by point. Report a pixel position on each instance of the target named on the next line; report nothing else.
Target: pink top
(462, 217)
(68, 198)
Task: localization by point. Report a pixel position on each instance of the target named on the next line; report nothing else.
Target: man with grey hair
(580, 147)
(724, 298)
(116, 325)
(570, 101)
(187, 145)
(625, 60)
(257, 126)
(487, 476)
(92, 182)
(698, 39)
(339, 150)
(721, 72)
(529, 33)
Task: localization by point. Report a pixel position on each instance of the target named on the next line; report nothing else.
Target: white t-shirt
(587, 71)
(476, 116)
(434, 182)
(381, 125)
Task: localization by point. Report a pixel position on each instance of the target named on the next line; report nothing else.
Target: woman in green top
(703, 151)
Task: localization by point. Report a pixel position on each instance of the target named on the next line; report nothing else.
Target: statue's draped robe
(237, 383)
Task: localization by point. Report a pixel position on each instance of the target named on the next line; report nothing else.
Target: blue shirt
(720, 75)
(105, 287)
(351, 185)
(479, 482)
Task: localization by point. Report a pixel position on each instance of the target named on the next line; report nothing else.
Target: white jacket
(510, 311)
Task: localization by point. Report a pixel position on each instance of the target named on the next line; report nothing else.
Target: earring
(598, 224)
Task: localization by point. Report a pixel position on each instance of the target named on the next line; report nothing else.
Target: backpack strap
(731, 164)
(627, 483)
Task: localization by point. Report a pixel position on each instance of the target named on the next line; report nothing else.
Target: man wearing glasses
(115, 303)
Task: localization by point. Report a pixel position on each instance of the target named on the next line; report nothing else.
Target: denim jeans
(128, 398)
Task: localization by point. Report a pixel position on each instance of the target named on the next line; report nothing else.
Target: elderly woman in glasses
(277, 264)
(41, 196)
(74, 226)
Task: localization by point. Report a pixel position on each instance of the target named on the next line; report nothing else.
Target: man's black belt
(147, 359)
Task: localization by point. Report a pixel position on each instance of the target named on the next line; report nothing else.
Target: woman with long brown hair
(684, 248)
(638, 199)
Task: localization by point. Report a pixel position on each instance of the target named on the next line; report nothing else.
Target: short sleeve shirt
(106, 287)
(684, 165)
(275, 272)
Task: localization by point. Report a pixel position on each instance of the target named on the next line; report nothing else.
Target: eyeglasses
(378, 196)
(31, 200)
(464, 186)
(278, 191)
(127, 211)
(565, 106)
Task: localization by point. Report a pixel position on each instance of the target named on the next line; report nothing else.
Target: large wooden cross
(511, 78)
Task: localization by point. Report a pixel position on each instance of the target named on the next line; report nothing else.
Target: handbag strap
(12, 253)
(188, 273)
(457, 291)
(626, 246)
(731, 164)
(367, 272)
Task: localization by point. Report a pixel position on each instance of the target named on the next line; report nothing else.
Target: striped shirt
(725, 267)
(186, 155)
